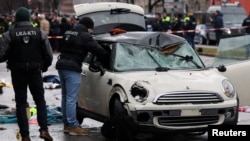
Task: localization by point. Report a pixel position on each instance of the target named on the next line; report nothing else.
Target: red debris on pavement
(244, 109)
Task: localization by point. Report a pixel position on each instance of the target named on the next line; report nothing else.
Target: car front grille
(188, 121)
(190, 97)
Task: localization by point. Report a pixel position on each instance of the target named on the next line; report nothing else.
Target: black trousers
(22, 80)
(218, 35)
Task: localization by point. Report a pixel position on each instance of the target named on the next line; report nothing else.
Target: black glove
(44, 69)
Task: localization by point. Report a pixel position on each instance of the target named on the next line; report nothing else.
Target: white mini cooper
(152, 81)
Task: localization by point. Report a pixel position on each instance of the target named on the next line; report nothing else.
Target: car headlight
(139, 92)
(228, 31)
(228, 88)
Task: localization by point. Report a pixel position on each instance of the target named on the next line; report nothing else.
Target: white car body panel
(234, 54)
(239, 75)
(105, 6)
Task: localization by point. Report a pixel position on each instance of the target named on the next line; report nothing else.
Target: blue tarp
(53, 116)
(51, 79)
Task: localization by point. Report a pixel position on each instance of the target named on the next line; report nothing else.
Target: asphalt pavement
(8, 131)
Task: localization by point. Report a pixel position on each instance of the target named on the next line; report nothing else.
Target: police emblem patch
(26, 39)
(67, 37)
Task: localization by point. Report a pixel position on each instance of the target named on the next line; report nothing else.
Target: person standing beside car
(28, 54)
(77, 43)
(246, 23)
(218, 24)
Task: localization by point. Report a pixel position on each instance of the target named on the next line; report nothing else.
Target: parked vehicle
(149, 20)
(201, 34)
(110, 15)
(153, 82)
(232, 15)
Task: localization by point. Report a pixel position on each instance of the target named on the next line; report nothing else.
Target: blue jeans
(190, 40)
(70, 83)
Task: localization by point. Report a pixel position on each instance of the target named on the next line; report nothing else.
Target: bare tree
(7, 4)
(153, 3)
(132, 1)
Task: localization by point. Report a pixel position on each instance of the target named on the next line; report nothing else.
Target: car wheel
(79, 115)
(108, 129)
(122, 122)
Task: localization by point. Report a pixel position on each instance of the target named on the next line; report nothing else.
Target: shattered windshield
(135, 57)
(232, 50)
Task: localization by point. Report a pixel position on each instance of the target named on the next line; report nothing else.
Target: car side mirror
(97, 67)
(221, 68)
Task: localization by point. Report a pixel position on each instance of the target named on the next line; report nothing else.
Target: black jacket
(218, 21)
(190, 25)
(26, 48)
(77, 43)
(246, 22)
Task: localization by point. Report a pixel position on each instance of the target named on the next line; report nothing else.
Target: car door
(94, 91)
(234, 53)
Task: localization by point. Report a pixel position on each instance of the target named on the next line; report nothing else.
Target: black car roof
(160, 40)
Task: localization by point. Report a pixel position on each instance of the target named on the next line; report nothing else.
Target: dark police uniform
(190, 25)
(28, 54)
(246, 22)
(77, 45)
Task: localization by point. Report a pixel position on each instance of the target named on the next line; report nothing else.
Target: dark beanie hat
(88, 22)
(22, 14)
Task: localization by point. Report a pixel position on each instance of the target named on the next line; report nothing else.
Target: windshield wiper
(188, 59)
(162, 69)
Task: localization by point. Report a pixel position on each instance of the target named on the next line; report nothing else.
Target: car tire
(122, 122)
(79, 116)
(108, 129)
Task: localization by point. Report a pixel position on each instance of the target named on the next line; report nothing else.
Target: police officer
(218, 23)
(246, 23)
(77, 43)
(165, 24)
(177, 25)
(190, 25)
(28, 55)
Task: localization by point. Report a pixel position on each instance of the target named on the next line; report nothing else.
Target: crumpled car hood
(171, 81)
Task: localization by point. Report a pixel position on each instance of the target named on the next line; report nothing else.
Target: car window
(101, 18)
(232, 50)
(233, 18)
(134, 57)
